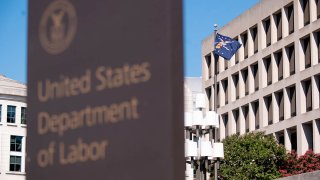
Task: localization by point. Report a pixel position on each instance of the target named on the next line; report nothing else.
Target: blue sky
(199, 16)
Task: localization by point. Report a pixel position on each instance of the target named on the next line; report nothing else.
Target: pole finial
(215, 27)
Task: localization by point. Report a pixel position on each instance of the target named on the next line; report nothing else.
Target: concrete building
(12, 129)
(272, 83)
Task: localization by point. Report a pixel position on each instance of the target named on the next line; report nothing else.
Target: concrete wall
(306, 176)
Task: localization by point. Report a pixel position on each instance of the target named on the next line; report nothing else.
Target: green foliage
(252, 156)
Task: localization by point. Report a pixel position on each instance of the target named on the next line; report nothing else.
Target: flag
(225, 46)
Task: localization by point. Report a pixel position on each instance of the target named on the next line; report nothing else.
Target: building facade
(272, 83)
(12, 129)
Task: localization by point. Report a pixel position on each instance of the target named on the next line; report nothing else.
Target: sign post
(105, 90)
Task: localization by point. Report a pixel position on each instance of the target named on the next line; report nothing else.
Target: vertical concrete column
(241, 50)
(314, 48)
(273, 29)
(222, 129)
(242, 121)
(232, 123)
(251, 118)
(313, 10)
(250, 43)
(301, 141)
(286, 63)
(263, 113)
(301, 99)
(232, 61)
(316, 135)
(315, 93)
(274, 69)
(250, 79)
(298, 15)
(275, 109)
(287, 139)
(262, 75)
(262, 36)
(205, 70)
(212, 96)
(221, 64)
(285, 23)
(241, 85)
(287, 104)
(232, 92)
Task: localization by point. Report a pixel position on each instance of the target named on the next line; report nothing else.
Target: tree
(252, 156)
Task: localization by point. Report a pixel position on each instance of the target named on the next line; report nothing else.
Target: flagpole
(215, 99)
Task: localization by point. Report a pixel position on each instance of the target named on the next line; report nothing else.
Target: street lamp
(201, 151)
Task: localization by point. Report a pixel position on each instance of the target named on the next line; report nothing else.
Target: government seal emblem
(58, 26)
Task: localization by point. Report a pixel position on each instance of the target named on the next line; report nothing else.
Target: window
(292, 98)
(237, 53)
(291, 58)
(208, 92)
(267, 29)
(268, 103)
(244, 39)
(245, 110)
(16, 143)
(306, 11)
(236, 118)
(254, 33)
(279, 62)
(23, 115)
(278, 22)
(11, 114)
(318, 8)
(307, 51)
(15, 163)
(235, 78)
(218, 95)
(0, 111)
(225, 89)
(290, 17)
(308, 94)
(267, 64)
(317, 35)
(255, 76)
(244, 74)
(208, 61)
(255, 107)
(225, 122)
(280, 103)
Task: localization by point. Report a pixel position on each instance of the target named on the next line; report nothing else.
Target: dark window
(15, 163)
(15, 143)
(267, 63)
(318, 44)
(255, 107)
(225, 64)
(245, 80)
(294, 141)
(237, 54)
(278, 21)
(11, 114)
(292, 99)
(308, 94)
(255, 76)
(291, 57)
(268, 102)
(208, 60)
(290, 17)
(246, 117)
(267, 29)
(225, 121)
(306, 11)
(280, 102)
(236, 118)
(279, 61)
(236, 84)
(307, 51)
(254, 33)
(318, 8)
(244, 39)
(208, 92)
(225, 88)
(23, 115)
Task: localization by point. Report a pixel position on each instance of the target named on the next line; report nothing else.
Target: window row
(273, 28)
(11, 114)
(309, 133)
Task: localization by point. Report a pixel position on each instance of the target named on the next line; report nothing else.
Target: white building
(12, 129)
(272, 84)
